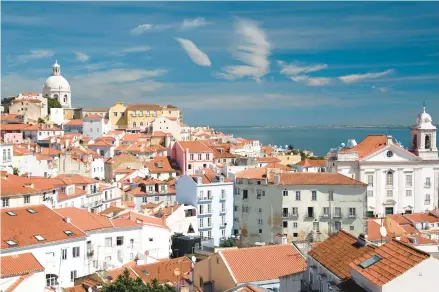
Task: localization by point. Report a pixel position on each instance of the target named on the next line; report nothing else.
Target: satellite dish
(194, 259)
(383, 231)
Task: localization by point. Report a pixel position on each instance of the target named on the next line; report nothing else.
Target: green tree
(228, 243)
(16, 171)
(53, 103)
(41, 121)
(124, 283)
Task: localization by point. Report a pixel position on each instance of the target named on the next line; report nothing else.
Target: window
(389, 193)
(199, 156)
(156, 198)
(11, 213)
(5, 202)
(295, 224)
(235, 208)
(73, 275)
(108, 242)
(285, 212)
(260, 231)
(325, 211)
(352, 212)
(223, 233)
(427, 182)
(39, 237)
(64, 253)
(408, 180)
(285, 224)
(223, 194)
(297, 195)
(427, 198)
(314, 195)
(209, 234)
(370, 180)
(369, 262)
(209, 194)
(4, 154)
(202, 235)
(389, 179)
(408, 193)
(151, 239)
(145, 199)
(260, 221)
(209, 208)
(131, 256)
(315, 225)
(201, 283)
(285, 193)
(201, 209)
(209, 222)
(11, 243)
(51, 280)
(191, 157)
(260, 210)
(294, 211)
(201, 222)
(351, 228)
(244, 194)
(75, 251)
(115, 114)
(237, 191)
(369, 193)
(337, 212)
(69, 233)
(119, 240)
(189, 166)
(331, 196)
(207, 156)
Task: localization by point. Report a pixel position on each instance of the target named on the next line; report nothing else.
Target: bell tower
(423, 142)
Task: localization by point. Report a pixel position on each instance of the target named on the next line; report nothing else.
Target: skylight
(369, 262)
(11, 213)
(32, 211)
(39, 237)
(69, 233)
(11, 243)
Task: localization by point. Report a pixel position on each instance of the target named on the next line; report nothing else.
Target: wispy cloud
(35, 54)
(311, 81)
(193, 23)
(360, 77)
(82, 57)
(252, 49)
(138, 49)
(381, 89)
(297, 68)
(197, 56)
(147, 27)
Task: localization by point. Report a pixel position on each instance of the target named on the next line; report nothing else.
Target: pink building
(192, 156)
(13, 138)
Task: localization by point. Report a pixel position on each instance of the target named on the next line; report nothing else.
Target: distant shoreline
(319, 127)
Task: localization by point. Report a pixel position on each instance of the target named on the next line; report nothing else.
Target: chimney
(389, 140)
(277, 179)
(67, 220)
(361, 241)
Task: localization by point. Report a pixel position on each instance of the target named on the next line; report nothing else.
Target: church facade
(399, 180)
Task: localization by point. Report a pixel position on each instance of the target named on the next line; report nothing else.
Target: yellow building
(99, 111)
(140, 115)
(289, 159)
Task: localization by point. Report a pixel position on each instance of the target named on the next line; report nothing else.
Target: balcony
(289, 215)
(223, 198)
(427, 185)
(223, 211)
(223, 225)
(337, 215)
(205, 199)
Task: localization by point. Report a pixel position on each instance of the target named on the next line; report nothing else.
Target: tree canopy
(124, 283)
(53, 103)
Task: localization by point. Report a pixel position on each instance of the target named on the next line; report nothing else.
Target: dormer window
(39, 237)
(32, 211)
(69, 233)
(11, 213)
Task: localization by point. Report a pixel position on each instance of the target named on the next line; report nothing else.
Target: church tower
(424, 137)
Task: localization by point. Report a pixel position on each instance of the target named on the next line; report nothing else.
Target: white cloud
(360, 77)
(252, 49)
(193, 23)
(82, 57)
(381, 89)
(296, 68)
(142, 28)
(194, 52)
(35, 54)
(311, 81)
(138, 49)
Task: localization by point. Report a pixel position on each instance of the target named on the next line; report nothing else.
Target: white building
(400, 181)
(110, 244)
(55, 242)
(6, 158)
(166, 125)
(56, 86)
(40, 132)
(182, 219)
(151, 191)
(212, 195)
(303, 206)
(95, 126)
(246, 148)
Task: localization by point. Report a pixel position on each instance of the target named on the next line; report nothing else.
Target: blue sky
(242, 63)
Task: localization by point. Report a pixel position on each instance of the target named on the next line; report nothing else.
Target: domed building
(424, 137)
(56, 86)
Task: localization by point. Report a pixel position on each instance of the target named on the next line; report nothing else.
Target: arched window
(65, 97)
(141, 124)
(415, 141)
(55, 96)
(389, 178)
(427, 142)
(134, 124)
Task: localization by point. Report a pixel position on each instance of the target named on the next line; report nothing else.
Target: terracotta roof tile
(77, 288)
(76, 179)
(194, 146)
(396, 258)
(78, 192)
(144, 219)
(312, 163)
(74, 123)
(369, 145)
(256, 263)
(317, 178)
(23, 227)
(267, 159)
(422, 217)
(338, 251)
(160, 164)
(163, 271)
(19, 264)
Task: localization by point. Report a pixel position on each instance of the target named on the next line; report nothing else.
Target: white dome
(56, 83)
(423, 118)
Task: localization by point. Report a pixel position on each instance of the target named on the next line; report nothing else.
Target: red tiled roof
(78, 192)
(76, 179)
(160, 164)
(145, 220)
(163, 271)
(90, 221)
(369, 145)
(312, 163)
(267, 159)
(19, 264)
(74, 123)
(338, 251)
(397, 258)
(23, 227)
(194, 146)
(317, 178)
(257, 263)
(422, 217)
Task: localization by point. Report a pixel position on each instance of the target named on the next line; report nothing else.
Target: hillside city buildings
(89, 192)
